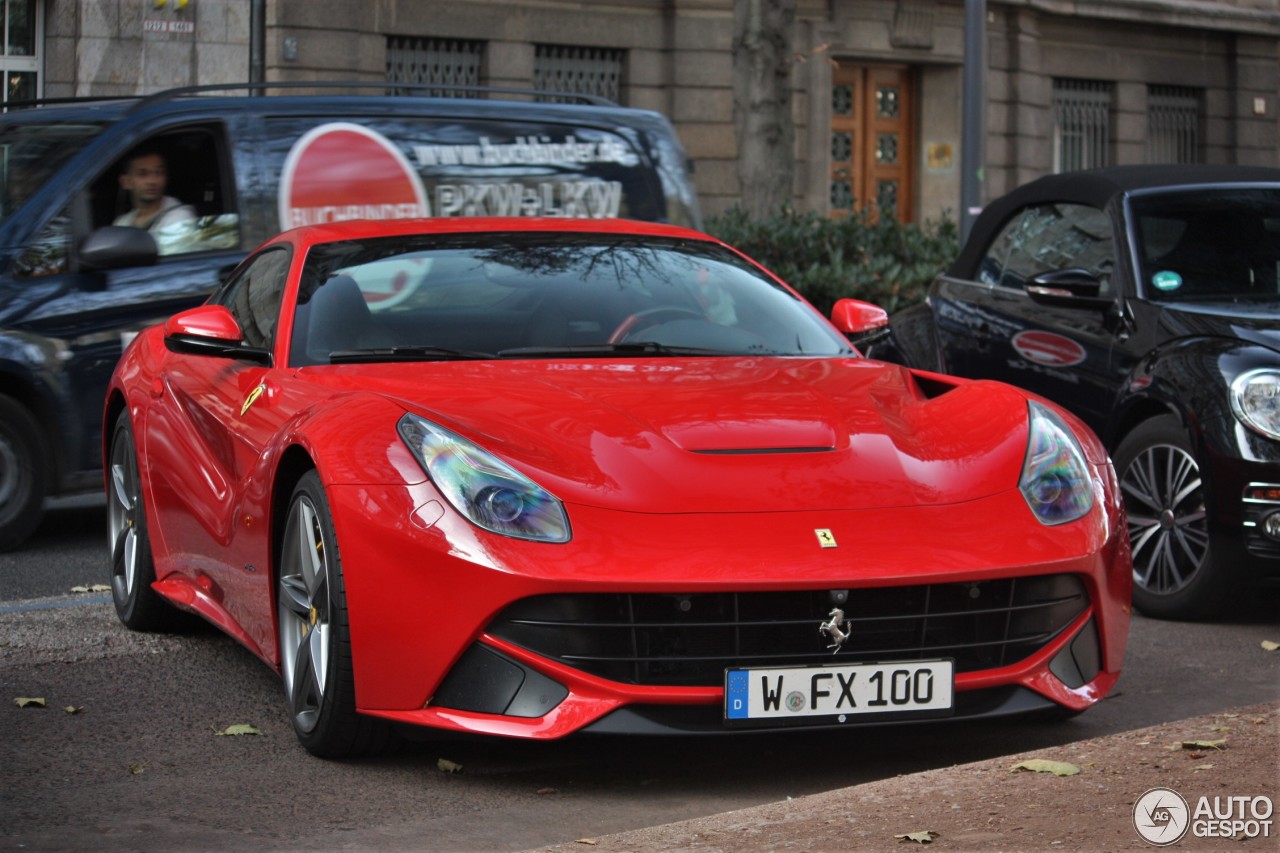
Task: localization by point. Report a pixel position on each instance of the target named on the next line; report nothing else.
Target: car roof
(340, 98)
(358, 229)
(1096, 188)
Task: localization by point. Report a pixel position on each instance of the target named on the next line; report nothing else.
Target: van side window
(254, 296)
(184, 172)
(47, 253)
(177, 186)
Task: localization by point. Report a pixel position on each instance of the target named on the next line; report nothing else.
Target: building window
(22, 31)
(578, 70)
(1081, 124)
(1173, 124)
(452, 65)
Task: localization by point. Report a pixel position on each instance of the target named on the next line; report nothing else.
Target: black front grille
(689, 640)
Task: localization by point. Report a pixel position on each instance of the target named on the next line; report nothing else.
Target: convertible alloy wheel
(1173, 569)
(315, 643)
(139, 606)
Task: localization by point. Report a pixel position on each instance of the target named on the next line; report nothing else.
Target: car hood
(1257, 322)
(723, 434)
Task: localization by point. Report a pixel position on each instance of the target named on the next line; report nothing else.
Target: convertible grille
(689, 640)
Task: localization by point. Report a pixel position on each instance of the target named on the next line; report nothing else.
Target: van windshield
(31, 153)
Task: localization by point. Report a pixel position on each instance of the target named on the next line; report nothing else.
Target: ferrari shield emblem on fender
(825, 537)
(252, 398)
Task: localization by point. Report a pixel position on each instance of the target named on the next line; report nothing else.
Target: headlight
(1255, 398)
(1055, 478)
(489, 492)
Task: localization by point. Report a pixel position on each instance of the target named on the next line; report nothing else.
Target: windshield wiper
(421, 353)
(598, 350)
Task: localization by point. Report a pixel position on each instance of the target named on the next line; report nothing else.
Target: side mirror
(210, 330)
(862, 323)
(1069, 288)
(116, 247)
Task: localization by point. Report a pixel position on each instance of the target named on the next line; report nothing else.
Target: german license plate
(842, 692)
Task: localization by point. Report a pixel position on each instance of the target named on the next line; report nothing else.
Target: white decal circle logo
(1161, 816)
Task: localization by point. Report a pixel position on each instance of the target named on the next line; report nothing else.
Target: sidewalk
(988, 806)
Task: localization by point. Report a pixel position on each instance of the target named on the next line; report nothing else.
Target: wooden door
(872, 140)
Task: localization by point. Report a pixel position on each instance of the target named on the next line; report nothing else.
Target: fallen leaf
(1043, 765)
(925, 837)
(1203, 767)
(29, 702)
(1270, 645)
(1205, 744)
(72, 709)
(136, 769)
(238, 729)
(448, 766)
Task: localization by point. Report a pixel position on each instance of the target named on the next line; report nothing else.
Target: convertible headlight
(1055, 478)
(1255, 398)
(489, 492)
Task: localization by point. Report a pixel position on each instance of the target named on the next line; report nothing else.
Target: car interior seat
(338, 318)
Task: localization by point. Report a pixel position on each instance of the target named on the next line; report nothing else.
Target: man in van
(145, 178)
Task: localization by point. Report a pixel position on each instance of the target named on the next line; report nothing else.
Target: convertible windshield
(1209, 245)
(31, 153)
(544, 295)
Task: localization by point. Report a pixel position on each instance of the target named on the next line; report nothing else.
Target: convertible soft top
(1095, 187)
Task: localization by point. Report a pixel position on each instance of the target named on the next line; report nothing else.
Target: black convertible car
(1144, 298)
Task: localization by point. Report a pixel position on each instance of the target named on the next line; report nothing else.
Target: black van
(75, 285)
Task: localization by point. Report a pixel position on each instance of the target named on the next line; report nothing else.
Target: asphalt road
(139, 765)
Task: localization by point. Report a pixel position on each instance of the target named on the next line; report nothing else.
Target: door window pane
(1057, 237)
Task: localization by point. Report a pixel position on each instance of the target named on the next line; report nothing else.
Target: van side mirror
(861, 322)
(210, 330)
(115, 247)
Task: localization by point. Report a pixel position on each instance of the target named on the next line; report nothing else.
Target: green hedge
(883, 262)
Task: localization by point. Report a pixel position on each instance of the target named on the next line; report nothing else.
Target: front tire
(133, 570)
(314, 634)
(24, 473)
(1175, 573)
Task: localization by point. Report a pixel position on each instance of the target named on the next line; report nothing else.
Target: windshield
(31, 153)
(544, 295)
(1209, 245)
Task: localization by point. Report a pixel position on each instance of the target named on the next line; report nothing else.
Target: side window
(991, 270)
(254, 296)
(1060, 236)
(177, 185)
(47, 254)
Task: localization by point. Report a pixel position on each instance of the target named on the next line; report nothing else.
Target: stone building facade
(878, 83)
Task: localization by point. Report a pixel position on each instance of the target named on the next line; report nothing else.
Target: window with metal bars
(1081, 124)
(435, 62)
(1173, 124)
(21, 49)
(578, 70)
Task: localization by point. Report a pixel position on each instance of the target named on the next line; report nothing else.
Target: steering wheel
(650, 317)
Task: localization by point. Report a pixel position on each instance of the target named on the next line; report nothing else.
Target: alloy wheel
(1168, 522)
(122, 517)
(304, 614)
